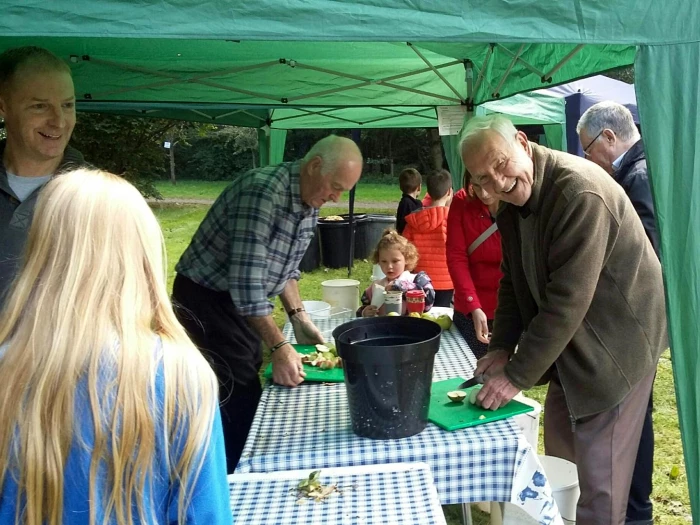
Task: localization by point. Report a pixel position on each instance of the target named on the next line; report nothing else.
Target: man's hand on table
(497, 389)
(287, 369)
(496, 392)
(305, 330)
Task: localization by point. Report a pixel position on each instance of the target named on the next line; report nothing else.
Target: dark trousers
(639, 506)
(443, 298)
(234, 352)
(603, 447)
(465, 325)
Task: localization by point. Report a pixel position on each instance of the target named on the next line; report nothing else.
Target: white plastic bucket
(317, 309)
(563, 478)
(342, 293)
(529, 422)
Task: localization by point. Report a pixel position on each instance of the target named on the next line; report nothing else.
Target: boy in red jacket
(427, 230)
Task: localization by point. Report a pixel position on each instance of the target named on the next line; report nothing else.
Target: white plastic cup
(392, 302)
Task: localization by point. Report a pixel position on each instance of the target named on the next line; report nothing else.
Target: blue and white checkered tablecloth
(384, 495)
(309, 427)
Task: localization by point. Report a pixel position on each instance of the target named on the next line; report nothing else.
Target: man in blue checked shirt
(246, 252)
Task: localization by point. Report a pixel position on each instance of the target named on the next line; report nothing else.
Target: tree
(623, 74)
(241, 140)
(130, 147)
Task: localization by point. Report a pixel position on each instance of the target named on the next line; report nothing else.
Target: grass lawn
(196, 189)
(671, 499)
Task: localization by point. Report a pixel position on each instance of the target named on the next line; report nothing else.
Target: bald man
(245, 253)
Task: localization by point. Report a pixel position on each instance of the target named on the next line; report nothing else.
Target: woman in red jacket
(475, 267)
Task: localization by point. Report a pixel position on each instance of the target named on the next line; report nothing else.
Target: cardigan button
(470, 298)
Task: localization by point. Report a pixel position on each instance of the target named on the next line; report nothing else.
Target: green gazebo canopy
(180, 57)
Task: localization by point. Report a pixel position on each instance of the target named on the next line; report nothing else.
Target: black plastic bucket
(335, 243)
(388, 366)
(312, 256)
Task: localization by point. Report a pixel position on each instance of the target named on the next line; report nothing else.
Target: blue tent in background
(582, 94)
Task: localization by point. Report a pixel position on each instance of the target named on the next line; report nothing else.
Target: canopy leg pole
(355, 135)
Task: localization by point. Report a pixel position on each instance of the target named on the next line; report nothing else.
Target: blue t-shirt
(25, 186)
(209, 504)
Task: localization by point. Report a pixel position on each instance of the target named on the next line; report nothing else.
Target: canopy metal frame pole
(481, 77)
(174, 79)
(199, 79)
(325, 114)
(520, 59)
(548, 76)
(386, 81)
(439, 75)
(328, 113)
(413, 113)
(496, 93)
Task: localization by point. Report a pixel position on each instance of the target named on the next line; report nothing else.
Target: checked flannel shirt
(253, 238)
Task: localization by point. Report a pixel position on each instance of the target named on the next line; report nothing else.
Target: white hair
(332, 150)
(610, 115)
(476, 126)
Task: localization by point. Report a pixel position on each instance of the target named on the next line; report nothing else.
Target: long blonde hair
(87, 306)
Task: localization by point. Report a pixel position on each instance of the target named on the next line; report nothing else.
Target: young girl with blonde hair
(108, 413)
(397, 257)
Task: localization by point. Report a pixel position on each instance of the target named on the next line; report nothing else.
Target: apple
(414, 314)
(456, 396)
(444, 321)
(393, 314)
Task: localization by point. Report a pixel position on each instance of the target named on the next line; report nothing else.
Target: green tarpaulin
(174, 58)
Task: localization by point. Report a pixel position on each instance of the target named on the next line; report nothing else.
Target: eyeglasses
(585, 150)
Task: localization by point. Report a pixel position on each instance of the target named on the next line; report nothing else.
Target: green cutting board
(453, 416)
(313, 373)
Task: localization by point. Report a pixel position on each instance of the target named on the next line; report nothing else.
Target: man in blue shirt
(245, 253)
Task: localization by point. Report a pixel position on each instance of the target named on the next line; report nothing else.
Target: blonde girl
(108, 413)
(397, 257)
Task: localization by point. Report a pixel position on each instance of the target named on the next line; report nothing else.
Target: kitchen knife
(476, 380)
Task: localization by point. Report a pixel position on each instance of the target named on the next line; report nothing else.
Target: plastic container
(375, 225)
(529, 423)
(312, 255)
(377, 273)
(363, 246)
(342, 293)
(415, 301)
(388, 367)
(563, 478)
(316, 310)
(335, 243)
(393, 302)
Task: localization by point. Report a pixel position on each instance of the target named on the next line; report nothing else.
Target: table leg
(467, 514)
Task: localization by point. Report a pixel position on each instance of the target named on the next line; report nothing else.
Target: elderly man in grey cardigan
(580, 305)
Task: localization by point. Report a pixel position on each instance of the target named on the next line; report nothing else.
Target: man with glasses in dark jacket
(609, 137)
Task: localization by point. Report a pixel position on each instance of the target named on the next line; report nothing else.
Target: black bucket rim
(413, 351)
